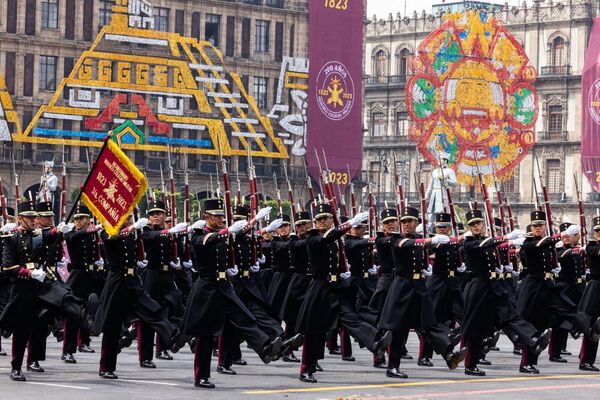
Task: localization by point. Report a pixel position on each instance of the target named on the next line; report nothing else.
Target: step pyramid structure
(156, 91)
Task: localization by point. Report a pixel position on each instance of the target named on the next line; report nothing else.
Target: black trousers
(202, 356)
(36, 345)
(558, 341)
(313, 349)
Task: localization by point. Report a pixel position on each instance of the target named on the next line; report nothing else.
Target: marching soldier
(125, 296)
(86, 276)
(283, 266)
(212, 302)
(6, 230)
(590, 300)
(540, 299)
(30, 294)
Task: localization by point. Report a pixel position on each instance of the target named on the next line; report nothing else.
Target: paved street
(341, 380)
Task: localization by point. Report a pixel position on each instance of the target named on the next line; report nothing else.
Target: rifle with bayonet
(228, 207)
(175, 239)
(353, 208)
(290, 192)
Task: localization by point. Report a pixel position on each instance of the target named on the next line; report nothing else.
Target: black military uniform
(4, 279)
(444, 287)
(213, 302)
(86, 276)
(408, 303)
(571, 280)
(540, 300)
(158, 280)
(283, 267)
(28, 296)
(266, 268)
(124, 298)
(590, 302)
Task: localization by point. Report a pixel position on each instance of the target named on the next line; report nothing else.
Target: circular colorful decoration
(471, 97)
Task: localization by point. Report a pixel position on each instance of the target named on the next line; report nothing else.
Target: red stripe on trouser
(553, 341)
(582, 350)
(139, 340)
(421, 345)
(65, 337)
(220, 349)
(303, 364)
(158, 347)
(197, 359)
(524, 358)
(79, 337)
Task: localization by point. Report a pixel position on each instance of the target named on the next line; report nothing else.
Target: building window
(211, 29)
(274, 3)
(260, 92)
(559, 52)
(381, 65)
(378, 123)
(105, 13)
(50, 14)
(403, 58)
(161, 19)
(555, 121)
(553, 176)
(510, 185)
(374, 170)
(262, 36)
(402, 123)
(47, 73)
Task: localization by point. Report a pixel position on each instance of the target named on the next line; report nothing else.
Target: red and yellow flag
(113, 187)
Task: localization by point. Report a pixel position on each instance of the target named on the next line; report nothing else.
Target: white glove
(573, 230)
(498, 270)
(345, 275)
(515, 273)
(188, 264)
(142, 264)
(373, 270)
(38, 275)
(509, 267)
(263, 213)
(62, 264)
(557, 270)
(175, 265)
(99, 263)
(419, 229)
(262, 259)
(518, 242)
(427, 272)
(180, 227)
(237, 227)
(232, 271)
(359, 218)
(440, 239)
(468, 234)
(255, 268)
(199, 225)
(64, 228)
(462, 268)
(8, 227)
(140, 223)
(516, 234)
(273, 226)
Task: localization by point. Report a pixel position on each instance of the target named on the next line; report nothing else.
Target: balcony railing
(557, 70)
(561, 136)
(383, 140)
(386, 80)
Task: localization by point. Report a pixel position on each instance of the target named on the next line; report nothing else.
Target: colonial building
(555, 36)
(41, 42)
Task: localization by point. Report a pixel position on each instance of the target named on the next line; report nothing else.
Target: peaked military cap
(461, 227)
(323, 210)
(538, 217)
(44, 209)
(82, 211)
(241, 212)
(27, 209)
(497, 222)
(443, 219)
(156, 206)
(389, 214)
(409, 213)
(214, 207)
(563, 227)
(473, 216)
(9, 211)
(596, 223)
(285, 218)
(302, 217)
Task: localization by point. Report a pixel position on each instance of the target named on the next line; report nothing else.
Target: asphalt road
(341, 380)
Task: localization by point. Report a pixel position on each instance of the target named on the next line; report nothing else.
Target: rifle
(253, 207)
(17, 194)
(3, 204)
(486, 200)
(311, 193)
(582, 221)
(548, 212)
(63, 193)
(343, 208)
(228, 208)
(238, 198)
(278, 194)
(329, 184)
(352, 194)
(373, 221)
(500, 199)
(186, 211)
(174, 240)
(163, 188)
(290, 192)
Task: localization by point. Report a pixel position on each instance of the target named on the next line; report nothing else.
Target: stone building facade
(555, 36)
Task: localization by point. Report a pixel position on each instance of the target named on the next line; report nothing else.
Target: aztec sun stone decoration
(471, 97)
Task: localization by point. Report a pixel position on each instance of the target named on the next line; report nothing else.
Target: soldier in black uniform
(161, 246)
(408, 303)
(283, 266)
(6, 230)
(266, 266)
(487, 302)
(590, 300)
(86, 276)
(124, 298)
(31, 293)
(444, 285)
(540, 300)
(571, 281)
(212, 302)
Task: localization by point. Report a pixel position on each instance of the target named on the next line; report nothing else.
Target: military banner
(113, 187)
(590, 125)
(335, 87)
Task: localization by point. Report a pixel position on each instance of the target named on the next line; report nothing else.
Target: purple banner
(590, 125)
(335, 87)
